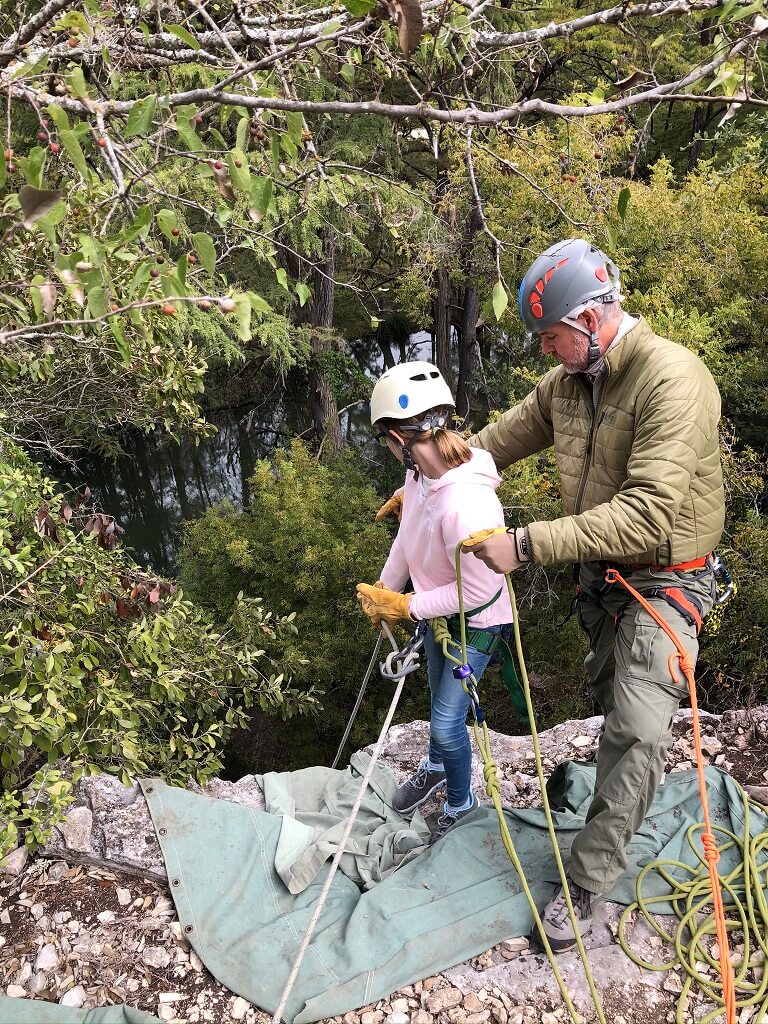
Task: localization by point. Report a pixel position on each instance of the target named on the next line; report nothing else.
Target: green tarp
(431, 908)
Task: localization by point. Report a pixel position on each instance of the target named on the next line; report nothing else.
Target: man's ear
(591, 319)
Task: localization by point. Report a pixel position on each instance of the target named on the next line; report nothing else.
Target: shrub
(107, 666)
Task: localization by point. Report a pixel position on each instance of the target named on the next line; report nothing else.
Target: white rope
(406, 669)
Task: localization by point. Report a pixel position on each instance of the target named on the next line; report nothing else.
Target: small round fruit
(218, 165)
(11, 168)
(175, 232)
(254, 132)
(168, 309)
(598, 155)
(260, 135)
(238, 163)
(227, 305)
(159, 259)
(198, 119)
(8, 154)
(101, 143)
(154, 272)
(191, 258)
(72, 41)
(42, 136)
(114, 308)
(54, 147)
(204, 304)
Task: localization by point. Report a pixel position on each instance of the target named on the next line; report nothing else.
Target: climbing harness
(397, 666)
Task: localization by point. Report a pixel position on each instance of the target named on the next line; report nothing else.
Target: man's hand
(499, 548)
(379, 603)
(392, 507)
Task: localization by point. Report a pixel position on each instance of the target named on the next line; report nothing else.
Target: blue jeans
(448, 737)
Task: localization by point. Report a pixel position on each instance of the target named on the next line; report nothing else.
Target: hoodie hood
(481, 470)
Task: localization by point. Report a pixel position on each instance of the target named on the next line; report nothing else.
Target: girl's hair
(452, 447)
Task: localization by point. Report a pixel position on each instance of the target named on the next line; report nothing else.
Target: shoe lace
(444, 822)
(419, 778)
(582, 903)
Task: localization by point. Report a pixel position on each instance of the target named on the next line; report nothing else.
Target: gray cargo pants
(629, 674)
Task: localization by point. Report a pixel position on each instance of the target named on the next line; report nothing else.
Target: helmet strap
(405, 449)
(593, 352)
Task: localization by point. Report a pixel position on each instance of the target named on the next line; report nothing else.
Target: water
(159, 483)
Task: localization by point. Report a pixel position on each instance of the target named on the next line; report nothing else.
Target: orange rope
(708, 841)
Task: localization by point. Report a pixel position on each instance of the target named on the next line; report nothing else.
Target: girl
(450, 492)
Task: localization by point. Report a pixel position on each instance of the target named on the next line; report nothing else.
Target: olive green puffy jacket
(640, 476)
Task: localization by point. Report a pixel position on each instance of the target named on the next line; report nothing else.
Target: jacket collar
(619, 357)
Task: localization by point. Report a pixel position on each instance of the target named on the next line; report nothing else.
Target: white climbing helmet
(407, 390)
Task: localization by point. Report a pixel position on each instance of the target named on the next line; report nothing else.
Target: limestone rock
(239, 1008)
(15, 862)
(77, 829)
(47, 958)
(156, 956)
(442, 999)
(75, 997)
(16, 992)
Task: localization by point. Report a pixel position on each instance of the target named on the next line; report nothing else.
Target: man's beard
(581, 353)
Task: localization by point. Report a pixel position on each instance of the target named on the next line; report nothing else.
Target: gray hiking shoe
(557, 920)
(446, 821)
(421, 785)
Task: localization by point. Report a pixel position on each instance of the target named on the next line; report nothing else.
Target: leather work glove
(502, 550)
(392, 507)
(379, 603)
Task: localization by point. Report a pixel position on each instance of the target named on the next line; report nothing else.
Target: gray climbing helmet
(564, 279)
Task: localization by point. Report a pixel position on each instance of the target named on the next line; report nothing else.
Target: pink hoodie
(460, 502)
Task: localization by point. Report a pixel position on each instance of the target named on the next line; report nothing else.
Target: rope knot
(711, 852)
(491, 778)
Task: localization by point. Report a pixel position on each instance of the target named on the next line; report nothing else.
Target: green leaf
(140, 117)
(206, 251)
(623, 202)
(242, 133)
(282, 278)
(294, 121)
(167, 221)
(140, 224)
(78, 83)
(74, 151)
(243, 314)
(181, 33)
(304, 292)
(261, 195)
(33, 166)
(359, 8)
(97, 301)
(240, 176)
(500, 299)
(123, 345)
(348, 72)
(59, 117)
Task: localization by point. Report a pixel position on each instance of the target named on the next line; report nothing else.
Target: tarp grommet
(176, 881)
(188, 928)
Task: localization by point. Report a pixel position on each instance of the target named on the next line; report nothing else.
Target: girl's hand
(392, 507)
(379, 603)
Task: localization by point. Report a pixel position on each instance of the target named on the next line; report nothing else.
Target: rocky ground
(92, 923)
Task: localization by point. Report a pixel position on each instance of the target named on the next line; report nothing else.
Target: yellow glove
(502, 550)
(379, 603)
(392, 507)
(478, 537)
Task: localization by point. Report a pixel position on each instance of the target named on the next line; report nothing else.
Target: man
(633, 419)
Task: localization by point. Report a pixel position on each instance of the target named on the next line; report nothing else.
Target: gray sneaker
(446, 821)
(557, 921)
(421, 785)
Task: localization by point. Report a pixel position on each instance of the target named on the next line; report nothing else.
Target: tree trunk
(468, 349)
(319, 313)
(442, 319)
